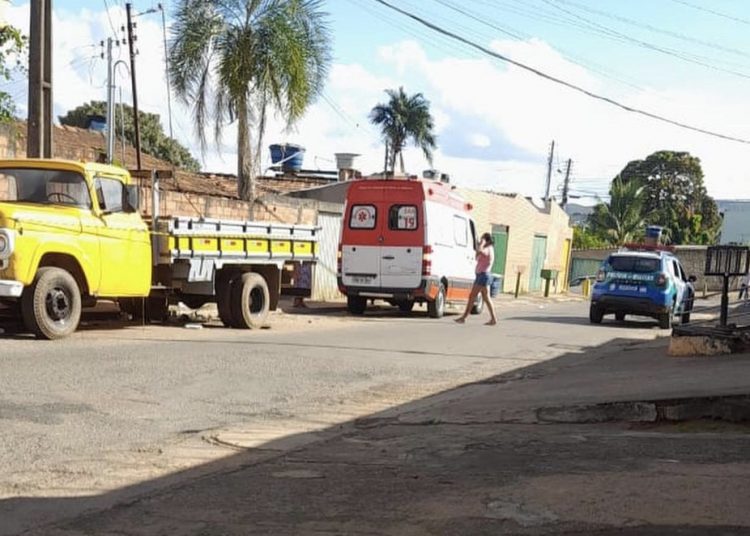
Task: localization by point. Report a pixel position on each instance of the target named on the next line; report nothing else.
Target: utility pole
(110, 104)
(549, 172)
(39, 135)
(166, 68)
(566, 184)
(131, 47)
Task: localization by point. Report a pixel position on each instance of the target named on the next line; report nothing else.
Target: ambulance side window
(403, 218)
(460, 231)
(363, 217)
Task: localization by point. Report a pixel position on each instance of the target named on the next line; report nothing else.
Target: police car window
(460, 231)
(675, 269)
(641, 265)
(363, 217)
(403, 218)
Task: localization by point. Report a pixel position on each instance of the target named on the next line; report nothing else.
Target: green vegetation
(664, 189)
(403, 118)
(153, 139)
(12, 48)
(236, 59)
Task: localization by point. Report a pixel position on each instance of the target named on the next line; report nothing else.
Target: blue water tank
(97, 123)
(289, 155)
(654, 231)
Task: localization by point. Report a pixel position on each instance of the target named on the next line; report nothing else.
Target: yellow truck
(71, 233)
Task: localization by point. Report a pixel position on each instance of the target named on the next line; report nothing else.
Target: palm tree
(236, 59)
(622, 219)
(403, 118)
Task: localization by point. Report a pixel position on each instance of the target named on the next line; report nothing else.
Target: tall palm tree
(236, 59)
(403, 118)
(622, 219)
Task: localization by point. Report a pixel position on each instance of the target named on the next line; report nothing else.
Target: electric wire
(713, 12)
(560, 81)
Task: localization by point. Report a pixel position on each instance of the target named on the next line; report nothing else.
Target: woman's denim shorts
(483, 280)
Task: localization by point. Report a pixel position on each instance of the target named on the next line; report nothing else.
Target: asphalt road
(117, 405)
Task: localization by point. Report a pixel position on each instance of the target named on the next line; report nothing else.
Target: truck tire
(356, 305)
(436, 307)
(596, 314)
(51, 306)
(250, 301)
(478, 306)
(223, 298)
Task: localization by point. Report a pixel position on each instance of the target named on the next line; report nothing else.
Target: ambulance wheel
(619, 317)
(356, 305)
(436, 307)
(596, 314)
(478, 306)
(51, 306)
(249, 301)
(665, 320)
(405, 306)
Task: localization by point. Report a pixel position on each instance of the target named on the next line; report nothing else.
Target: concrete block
(698, 346)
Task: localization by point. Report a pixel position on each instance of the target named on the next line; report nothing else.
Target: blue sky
(495, 123)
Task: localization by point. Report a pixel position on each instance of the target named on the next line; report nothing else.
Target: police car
(643, 281)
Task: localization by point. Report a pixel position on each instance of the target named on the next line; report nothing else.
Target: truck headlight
(6, 243)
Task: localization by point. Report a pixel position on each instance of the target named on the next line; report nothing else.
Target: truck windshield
(640, 265)
(44, 186)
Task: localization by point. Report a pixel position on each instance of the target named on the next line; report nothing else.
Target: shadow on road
(470, 460)
(638, 322)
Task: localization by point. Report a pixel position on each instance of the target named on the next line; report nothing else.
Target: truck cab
(70, 233)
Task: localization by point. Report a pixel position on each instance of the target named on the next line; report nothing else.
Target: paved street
(113, 414)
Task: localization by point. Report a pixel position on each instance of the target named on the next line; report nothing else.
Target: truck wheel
(405, 306)
(51, 306)
(356, 305)
(223, 298)
(436, 307)
(596, 314)
(478, 306)
(250, 301)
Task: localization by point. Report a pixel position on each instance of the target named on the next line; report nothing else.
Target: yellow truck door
(124, 242)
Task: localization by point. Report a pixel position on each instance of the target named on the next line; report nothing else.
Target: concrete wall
(524, 220)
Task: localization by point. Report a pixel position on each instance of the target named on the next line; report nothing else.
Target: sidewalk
(478, 460)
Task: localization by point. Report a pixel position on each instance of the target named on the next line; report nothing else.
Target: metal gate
(583, 268)
(325, 287)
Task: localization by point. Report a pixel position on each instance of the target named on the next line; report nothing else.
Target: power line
(109, 17)
(558, 80)
(713, 12)
(677, 35)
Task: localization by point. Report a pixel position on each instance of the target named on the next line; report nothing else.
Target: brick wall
(524, 220)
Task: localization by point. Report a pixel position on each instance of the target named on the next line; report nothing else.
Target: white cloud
(494, 122)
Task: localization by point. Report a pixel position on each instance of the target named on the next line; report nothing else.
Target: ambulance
(406, 241)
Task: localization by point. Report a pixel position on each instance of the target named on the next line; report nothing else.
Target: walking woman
(485, 257)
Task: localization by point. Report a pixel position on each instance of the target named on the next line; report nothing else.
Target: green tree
(676, 197)
(622, 219)
(153, 139)
(12, 47)
(585, 238)
(403, 118)
(234, 60)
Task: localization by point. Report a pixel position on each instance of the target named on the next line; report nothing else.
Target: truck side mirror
(132, 198)
(692, 279)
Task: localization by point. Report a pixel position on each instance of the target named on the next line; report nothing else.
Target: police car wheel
(665, 320)
(596, 314)
(619, 317)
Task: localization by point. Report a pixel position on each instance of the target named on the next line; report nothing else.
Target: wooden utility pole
(549, 172)
(566, 184)
(131, 47)
(39, 122)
